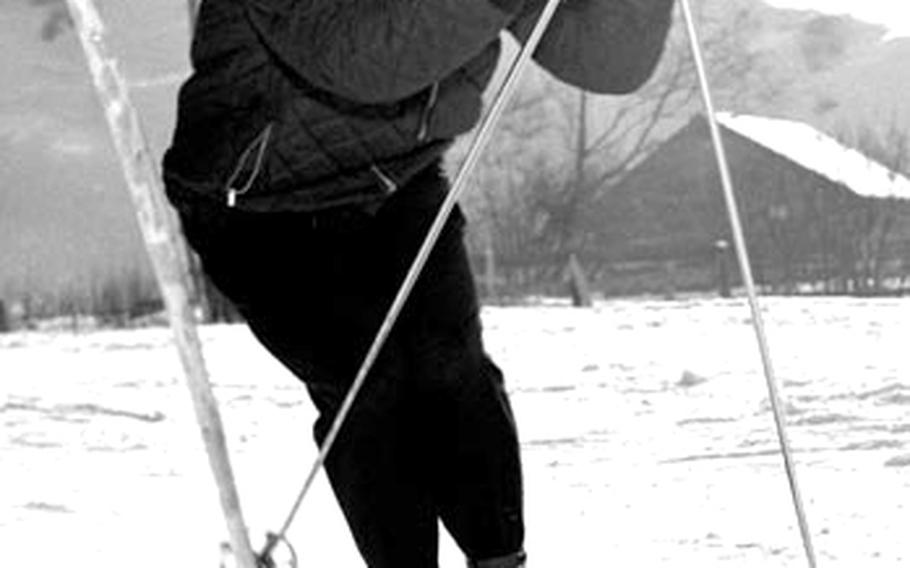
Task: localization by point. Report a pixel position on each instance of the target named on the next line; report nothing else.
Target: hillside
(871, 89)
(834, 73)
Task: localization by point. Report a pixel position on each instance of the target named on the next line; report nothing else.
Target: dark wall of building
(800, 227)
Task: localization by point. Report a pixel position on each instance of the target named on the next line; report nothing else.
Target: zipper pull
(387, 182)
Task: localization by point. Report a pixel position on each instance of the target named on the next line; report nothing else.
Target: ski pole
(745, 265)
(161, 238)
(458, 186)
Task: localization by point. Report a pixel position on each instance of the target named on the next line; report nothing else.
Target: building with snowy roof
(820, 153)
(818, 216)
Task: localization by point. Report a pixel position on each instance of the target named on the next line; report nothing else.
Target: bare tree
(614, 135)
(872, 233)
(566, 149)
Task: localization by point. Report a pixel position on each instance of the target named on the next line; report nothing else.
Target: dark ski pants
(432, 434)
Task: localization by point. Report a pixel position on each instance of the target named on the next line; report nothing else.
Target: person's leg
(470, 443)
(467, 441)
(314, 299)
(386, 503)
(433, 414)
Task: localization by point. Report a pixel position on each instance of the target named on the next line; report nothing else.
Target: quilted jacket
(306, 104)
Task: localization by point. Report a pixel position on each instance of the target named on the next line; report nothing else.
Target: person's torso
(253, 132)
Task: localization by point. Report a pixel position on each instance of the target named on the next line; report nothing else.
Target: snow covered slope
(646, 435)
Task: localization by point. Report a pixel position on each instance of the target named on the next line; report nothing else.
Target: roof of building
(820, 153)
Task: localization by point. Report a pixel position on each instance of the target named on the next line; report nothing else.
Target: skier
(305, 166)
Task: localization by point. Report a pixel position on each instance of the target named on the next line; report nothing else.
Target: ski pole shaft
(159, 231)
(742, 255)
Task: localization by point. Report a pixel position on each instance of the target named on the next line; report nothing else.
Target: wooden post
(4, 319)
(722, 268)
(579, 288)
(162, 240)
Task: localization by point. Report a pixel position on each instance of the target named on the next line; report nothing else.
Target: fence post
(162, 239)
(579, 288)
(4, 318)
(722, 261)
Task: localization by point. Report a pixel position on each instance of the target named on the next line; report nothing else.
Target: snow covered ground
(646, 432)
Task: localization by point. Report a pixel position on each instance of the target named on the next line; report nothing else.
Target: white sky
(895, 14)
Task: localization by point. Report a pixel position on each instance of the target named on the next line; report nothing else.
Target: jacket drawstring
(259, 144)
(427, 112)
